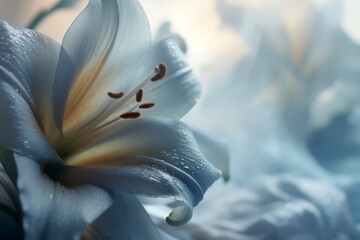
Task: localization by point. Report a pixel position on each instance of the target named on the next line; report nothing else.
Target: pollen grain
(139, 95)
(130, 115)
(147, 105)
(115, 95)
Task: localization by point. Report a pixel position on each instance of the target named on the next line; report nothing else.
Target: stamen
(127, 100)
(130, 115)
(115, 95)
(139, 95)
(147, 105)
(160, 72)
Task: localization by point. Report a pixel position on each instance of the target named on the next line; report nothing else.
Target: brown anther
(160, 70)
(147, 105)
(130, 115)
(139, 95)
(115, 95)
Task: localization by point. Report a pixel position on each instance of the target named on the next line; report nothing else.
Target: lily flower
(303, 93)
(93, 124)
(293, 108)
(298, 81)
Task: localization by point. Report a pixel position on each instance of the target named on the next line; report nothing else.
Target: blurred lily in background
(290, 106)
(89, 126)
(285, 89)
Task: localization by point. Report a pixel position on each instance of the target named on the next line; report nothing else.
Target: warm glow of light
(57, 24)
(210, 46)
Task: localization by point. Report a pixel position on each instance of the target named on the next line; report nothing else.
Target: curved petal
(158, 158)
(48, 206)
(109, 44)
(128, 215)
(27, 64)
(215, 152)
(168, 140)
(171, 97)
(178, 92)
(142, 176)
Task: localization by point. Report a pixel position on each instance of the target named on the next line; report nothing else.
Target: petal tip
(179, 216)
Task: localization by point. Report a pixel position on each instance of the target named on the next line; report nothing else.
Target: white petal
(169, 140)
(178, 92)
(174, 95)
(143, 176)
(27, 65)
(19, 129)
(52, 211)
(148, 157)
(109, 45)
(125, 219)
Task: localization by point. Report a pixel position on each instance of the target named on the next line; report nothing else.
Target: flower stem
(45, 13)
